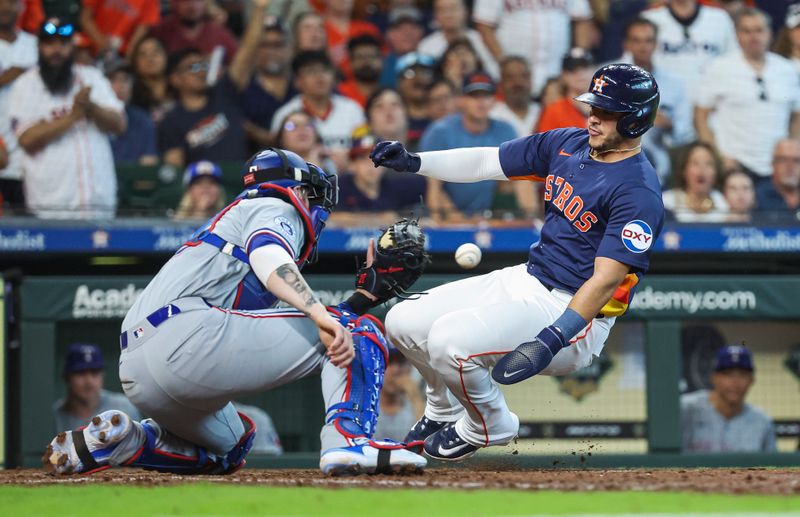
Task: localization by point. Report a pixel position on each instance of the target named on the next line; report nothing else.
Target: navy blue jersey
(592, 209)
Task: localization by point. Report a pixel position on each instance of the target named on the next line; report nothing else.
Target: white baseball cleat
(371, 457)
(87, 450)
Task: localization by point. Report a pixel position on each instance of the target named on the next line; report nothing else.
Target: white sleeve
(25, 108)
(487, 11)
(711, 84)
(579, 10)
(466, 165)
(102, 94)
(266, 259)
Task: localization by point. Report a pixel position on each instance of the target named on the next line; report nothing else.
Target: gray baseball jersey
(202, 353)
(705, 430)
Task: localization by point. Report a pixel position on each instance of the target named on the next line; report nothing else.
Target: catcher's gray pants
(185, 372)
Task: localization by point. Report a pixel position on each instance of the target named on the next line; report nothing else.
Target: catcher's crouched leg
(355, 417)
(112, 439)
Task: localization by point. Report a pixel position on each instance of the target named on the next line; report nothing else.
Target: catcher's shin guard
(357, 414)
(165, 452)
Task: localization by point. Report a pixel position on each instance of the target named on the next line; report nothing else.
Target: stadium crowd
(89, 87)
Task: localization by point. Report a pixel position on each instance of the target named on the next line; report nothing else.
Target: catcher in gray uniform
(204, 332)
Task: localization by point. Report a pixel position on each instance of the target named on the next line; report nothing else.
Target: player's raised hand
(394, 155)
(337, 340)
(530, 358)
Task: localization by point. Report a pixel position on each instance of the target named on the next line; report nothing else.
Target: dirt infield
(724, 480)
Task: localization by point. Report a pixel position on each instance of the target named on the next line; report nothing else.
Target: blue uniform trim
(265, 238)
(223, 245)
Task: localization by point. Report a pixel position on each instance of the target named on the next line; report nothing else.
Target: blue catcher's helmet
(629, 89)
(278, 170)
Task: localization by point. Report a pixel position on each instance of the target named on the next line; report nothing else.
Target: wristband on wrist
(570, 323)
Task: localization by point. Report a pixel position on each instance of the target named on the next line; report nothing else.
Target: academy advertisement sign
(725, 297)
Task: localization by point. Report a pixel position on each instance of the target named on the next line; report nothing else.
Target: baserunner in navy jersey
(603, 212)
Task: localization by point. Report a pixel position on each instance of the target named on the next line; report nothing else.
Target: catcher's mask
(286, 170)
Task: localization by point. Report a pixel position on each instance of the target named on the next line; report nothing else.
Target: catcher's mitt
(400, 259)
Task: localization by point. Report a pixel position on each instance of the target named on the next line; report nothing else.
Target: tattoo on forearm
(290, 275)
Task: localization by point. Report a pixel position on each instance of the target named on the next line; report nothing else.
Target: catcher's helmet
(286, 169)
(629, 89)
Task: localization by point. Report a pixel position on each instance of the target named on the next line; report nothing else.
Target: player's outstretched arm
(530, 358)
(466, 165)
(275, 268)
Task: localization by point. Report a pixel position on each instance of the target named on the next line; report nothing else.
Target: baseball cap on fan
(733, 356)
(478, 82)
(362, 142)
(405, 14)
(82, 357)
(793, 16)
(575, 59)
(203, 168)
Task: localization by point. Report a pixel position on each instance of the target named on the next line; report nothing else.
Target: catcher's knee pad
(165, 452)
(357, 414)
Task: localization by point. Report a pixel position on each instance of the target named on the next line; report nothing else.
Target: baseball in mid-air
(468, 255)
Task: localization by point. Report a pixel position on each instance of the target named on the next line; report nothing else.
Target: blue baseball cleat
(424, 427)
(447, 445)
(371, 457)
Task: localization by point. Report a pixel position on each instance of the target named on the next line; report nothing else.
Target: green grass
(226, 500)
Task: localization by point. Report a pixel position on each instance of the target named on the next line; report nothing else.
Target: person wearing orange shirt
(341, 28)
(366, 66)
(576, 73)
(114, 25)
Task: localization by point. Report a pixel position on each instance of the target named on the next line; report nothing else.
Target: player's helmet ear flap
(624, 88)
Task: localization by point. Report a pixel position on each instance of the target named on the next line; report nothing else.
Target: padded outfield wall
(624, 409)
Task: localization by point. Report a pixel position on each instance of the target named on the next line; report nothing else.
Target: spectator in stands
(366, 66)
(335, 116)
(755, 97)
(138, 143)
(552, 91)
(441, 99)
(673, 124)
(111, 26)
(517, 108)
(309, 32)
(266, 440)
(204, 195)
(787, 44)
(83, 376)
(17, 54)
(540, 30)
(208, 123)
(414, 79)
(720, 420)
(298, 134)
(737, 187)
(271, 85)
(340, 28)
(188, 26)
(62, 114)
(386, 115)
(388, 120)
(459, 61)
(366, 188)
(696, 199)
(781, 195)
(690, 36)
(576, 73)
(403, 36)
(470, 127)
(401, 401)
(151, 90)
(451, 19)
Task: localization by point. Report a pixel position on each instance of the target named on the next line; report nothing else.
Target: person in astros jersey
(603, 212)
